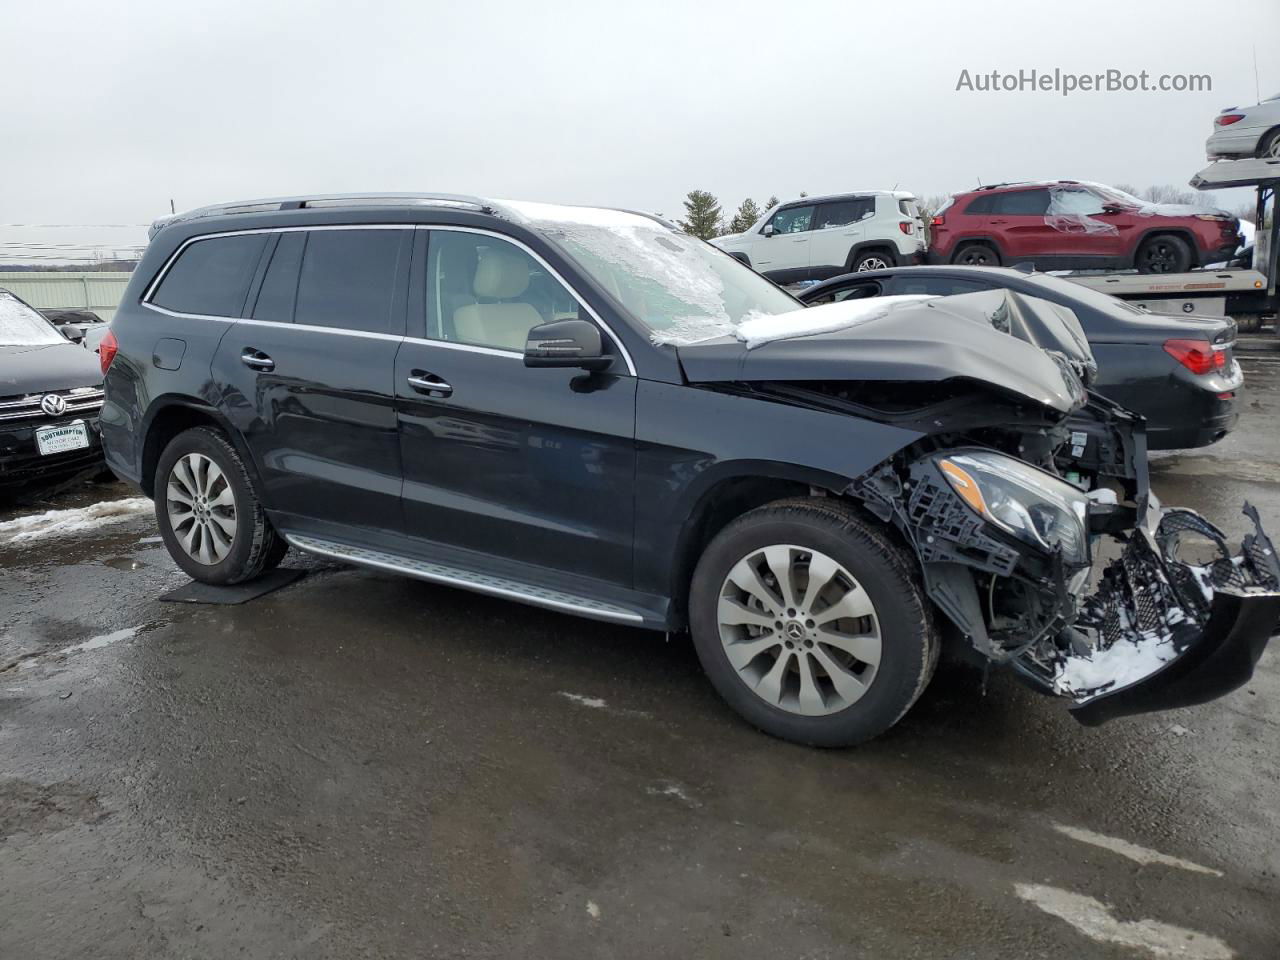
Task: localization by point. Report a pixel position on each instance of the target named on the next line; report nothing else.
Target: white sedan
(1246, 132)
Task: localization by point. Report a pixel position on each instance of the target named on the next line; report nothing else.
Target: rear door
(533, 465)
(1017, 222)
(307, 378)
(837, 229)
(784, 256)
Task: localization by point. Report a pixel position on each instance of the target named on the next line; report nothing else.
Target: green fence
(99, 292)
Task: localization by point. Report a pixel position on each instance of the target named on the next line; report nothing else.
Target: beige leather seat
(500, 275)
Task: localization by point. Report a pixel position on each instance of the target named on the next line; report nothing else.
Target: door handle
(429, 383)
(257, 360)
(997, 221)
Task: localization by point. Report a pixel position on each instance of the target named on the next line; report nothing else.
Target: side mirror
(566, 343)
(768, 230)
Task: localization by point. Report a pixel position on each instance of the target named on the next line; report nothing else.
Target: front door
(784, 256)
(537, 465)
(307, 381)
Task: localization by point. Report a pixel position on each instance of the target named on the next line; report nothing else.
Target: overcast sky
(111, 109)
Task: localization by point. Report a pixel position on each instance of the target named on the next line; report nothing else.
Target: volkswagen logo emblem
(53, 405)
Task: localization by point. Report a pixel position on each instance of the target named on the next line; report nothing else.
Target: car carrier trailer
(1247, 295)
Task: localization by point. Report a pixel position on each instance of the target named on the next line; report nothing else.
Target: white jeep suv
(814, 238)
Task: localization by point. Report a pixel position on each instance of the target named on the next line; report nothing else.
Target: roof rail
(460, 201)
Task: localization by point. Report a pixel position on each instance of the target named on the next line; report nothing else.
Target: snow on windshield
(682, 289)
(20, 326)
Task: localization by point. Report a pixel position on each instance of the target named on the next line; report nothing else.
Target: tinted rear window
(1021, 203)
(280, 285)
(980, 204)
(348, 279)
(841, 213)
(211, 276)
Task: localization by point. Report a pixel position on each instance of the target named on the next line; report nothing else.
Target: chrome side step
(465, 579)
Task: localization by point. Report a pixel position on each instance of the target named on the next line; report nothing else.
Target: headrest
(501, 274)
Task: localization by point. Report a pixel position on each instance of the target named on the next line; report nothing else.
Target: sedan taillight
(1228, 118)
(107, 351)
(1198, 356)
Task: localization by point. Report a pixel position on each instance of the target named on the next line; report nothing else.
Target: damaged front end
(1010, 552)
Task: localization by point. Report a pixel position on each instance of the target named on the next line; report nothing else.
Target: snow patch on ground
(593, 910)
(105, 640)
(62, 523)
(594, 702)
(827, 318)
(673, 790)
(1094, 919)
(1131, 850)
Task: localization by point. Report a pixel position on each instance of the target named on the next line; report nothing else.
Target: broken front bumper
(1160, 632)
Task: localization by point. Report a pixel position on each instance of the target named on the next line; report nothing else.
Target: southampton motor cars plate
(64, 437)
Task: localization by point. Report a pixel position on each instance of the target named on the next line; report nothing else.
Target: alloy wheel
(202, 508)
(1160, 257)
(872, 263)
(799, 630)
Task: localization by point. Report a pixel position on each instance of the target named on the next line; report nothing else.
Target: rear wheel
(978, 255)
(210, 518)
(1163, 253)
(870, 260)
(811, 623)
(1269, 145)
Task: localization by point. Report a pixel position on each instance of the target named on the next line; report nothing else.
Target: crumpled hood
(45, 367)
(1024, 345)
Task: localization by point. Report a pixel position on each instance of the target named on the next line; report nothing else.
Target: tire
(865, 260)
(836, 714)
(1248, 322)
(978, 255)
(1269, 145)
(1163, 253)
(235, 541)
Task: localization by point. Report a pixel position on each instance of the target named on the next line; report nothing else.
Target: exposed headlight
(1030, 504)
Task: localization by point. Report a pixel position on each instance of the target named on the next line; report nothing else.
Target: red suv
(1073, 225)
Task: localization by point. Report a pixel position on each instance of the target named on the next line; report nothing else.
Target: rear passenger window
(348, 279)
(280, 285)
(211, 277)
(1021, 203)
(841, 213)
(979, 204)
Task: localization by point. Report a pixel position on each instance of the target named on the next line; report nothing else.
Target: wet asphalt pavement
(365, 766)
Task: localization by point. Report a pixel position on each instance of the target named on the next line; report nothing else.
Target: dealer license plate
(64, 437)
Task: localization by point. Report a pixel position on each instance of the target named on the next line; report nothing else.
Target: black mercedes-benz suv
(588, 410)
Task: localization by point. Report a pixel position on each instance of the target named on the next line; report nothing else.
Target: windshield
(1086, 295)
(20, 326)
(682, 289)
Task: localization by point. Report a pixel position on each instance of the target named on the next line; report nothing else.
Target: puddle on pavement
(125, 563)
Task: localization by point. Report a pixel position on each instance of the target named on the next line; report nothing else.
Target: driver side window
(792, 219)
(484, 291)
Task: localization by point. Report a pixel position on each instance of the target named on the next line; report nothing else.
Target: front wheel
(811, 623)
(210, 518)
(1163, 253)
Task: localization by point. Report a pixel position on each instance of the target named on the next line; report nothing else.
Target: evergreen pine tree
(748, 213)
(703, 218)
